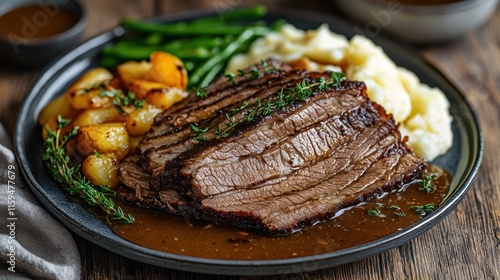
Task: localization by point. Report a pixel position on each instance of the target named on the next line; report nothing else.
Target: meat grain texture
(275, 172)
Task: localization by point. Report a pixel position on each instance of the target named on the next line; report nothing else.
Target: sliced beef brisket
(276, 171)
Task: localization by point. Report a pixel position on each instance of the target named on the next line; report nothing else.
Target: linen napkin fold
(33, 245)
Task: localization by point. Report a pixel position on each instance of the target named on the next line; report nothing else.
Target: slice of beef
(275, 172)
(310, 137)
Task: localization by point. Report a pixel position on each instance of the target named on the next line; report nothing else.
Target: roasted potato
(132, 143)
(139, 121)
(101, 170)
(143, 88)
(98, 116)
(106, 138)
(84, 92)
(58, 106)
(163, 99)
(167, 69)
(132, 70)
(90, 79)
(90, 99)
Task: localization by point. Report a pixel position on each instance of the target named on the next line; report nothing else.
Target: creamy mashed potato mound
(421, 111)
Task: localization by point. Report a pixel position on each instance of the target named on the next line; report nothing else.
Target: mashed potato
(421, 111)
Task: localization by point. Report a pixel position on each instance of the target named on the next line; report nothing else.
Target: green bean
(275, 26)
(153, 39)
(211, 75)
(225, 54)
(189, 65)
(205, 42)
(184, 29)
(245, 13)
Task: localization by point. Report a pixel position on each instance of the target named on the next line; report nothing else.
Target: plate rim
(239, 267)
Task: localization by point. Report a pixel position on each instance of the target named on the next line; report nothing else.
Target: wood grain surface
(465, 245)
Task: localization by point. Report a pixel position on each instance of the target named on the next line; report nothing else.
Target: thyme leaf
(92, 87)
(199, 132)
(120, 99)
(426, 183)
(230, 76)
(254, 73)
(200, 93)
(423, 209)
(373, 212)
(399, 214)
(72, 180)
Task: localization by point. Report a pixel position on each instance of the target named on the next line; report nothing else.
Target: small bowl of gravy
(418, 21)
(33, 32)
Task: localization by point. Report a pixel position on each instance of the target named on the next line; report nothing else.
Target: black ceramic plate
(462, 160)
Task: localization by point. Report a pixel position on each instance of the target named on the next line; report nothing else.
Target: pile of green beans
(205, 45)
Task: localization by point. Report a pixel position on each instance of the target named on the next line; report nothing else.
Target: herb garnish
(121, 99)
(199, 132)
(373, 212)
(426, 183)
(230, 76)
(394, 207)
(248, 112)
(200, 93)
(92, 87)
(254, 73)
(423, 210)
(58, 164)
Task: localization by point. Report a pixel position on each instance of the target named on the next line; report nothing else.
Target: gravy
(163, 232)
(36, 21)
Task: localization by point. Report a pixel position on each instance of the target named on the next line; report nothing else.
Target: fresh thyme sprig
(426, 183)
(254, 72)
(423, 209)
(72, 180)
(120, 99)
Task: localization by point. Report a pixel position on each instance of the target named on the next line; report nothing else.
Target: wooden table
(465, 245)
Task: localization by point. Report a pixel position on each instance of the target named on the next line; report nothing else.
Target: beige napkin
(33, 245)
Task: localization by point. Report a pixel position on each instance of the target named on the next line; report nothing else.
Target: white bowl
(418, 23)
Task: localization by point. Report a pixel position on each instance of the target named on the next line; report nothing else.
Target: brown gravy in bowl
(178, 235)
(36, 21)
